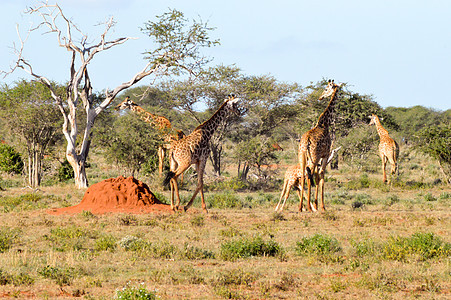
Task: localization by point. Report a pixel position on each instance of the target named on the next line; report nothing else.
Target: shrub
(62, 275)
(135, 293)
(65, 171)
(225, 200)
(317, 244)
(245, 247)
(191, 252)
(10, 160)
(133, 243)
(234, 277)
(420, 245)
(365, 247)
(105, 243)
(69, 238)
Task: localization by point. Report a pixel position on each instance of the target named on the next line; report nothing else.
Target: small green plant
(65, 171)
(245, 247)
(234, 277)
(317, 244)
(392, 199)
(429, 197)
(419, 246)
(106, 243)
(16, 280)
(133, 243)
(192, 253)
(130, 292)
(365, 247)
(62, 275)
(225, 200)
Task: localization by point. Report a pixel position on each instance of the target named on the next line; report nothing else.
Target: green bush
(62, 275)
(65, 171)
(421, 246)
(244, 247)
(134, 293)
(225, 200)
(105, 243)
(366, 247)
(234, 277)
(193, 253)
(10, 160)
(317, 244)
(29, 201)
(16, 280)
(133, 243)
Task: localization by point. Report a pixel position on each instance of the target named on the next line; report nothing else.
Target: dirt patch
(117, 195)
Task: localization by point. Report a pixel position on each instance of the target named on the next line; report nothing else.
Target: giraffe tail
(168, 178)
(310, 176)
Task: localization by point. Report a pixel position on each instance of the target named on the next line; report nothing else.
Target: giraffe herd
(313, 156)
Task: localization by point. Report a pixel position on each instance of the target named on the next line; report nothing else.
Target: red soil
(117, 195)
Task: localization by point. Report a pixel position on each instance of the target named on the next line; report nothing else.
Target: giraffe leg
(287, 194)
(321, 174)
(384, 163)
(301, 183)
(200, 186)
(285, 183)
(160, 159)
(317, 178)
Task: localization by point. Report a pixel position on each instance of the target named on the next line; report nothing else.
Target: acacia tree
(28, 111)
(177, 51)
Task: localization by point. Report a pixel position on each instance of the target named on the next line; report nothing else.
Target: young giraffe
(292, 177)
(194, 149)
(159, 122)
(315, 147)
(388, 148)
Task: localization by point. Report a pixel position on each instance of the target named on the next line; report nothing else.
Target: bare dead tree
(177, 51)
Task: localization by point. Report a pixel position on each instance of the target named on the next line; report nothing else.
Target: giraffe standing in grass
(194, 149)
(159, 122)
(388, 148)
(292, 177)
(314, 148)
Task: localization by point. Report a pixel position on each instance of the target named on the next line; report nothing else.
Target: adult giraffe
(195, 149)
(159, 122)
(388, 148)
(314, 147)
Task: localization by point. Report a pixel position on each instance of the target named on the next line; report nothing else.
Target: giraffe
(159, 122)
(194, 149)
(314, 147)
(292, 177)
(388, 148)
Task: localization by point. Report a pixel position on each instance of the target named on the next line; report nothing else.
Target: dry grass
(178, 256)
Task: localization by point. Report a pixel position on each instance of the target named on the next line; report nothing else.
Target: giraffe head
(127, 103)
(330, 89)
(373, 119)
(231, 103)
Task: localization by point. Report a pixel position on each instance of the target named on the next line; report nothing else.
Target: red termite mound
(117, 195)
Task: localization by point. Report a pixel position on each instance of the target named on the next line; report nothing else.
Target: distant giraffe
(292, 177)
(159, 122)
(194, 149)
(388, 148)
(315, 147)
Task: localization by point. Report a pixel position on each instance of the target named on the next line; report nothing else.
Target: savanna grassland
(374, 242)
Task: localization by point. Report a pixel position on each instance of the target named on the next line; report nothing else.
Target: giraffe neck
(380, 130)
(209, 126)
(148, 117)
(327, 117)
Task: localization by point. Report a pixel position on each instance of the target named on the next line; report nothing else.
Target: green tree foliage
(436, 141)
(130, 143)
(28, 112)
(254, 153)
(10, 160)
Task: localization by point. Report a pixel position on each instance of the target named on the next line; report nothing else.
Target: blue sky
(399, 51)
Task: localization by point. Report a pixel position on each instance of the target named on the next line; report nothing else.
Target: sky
(398, 51)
